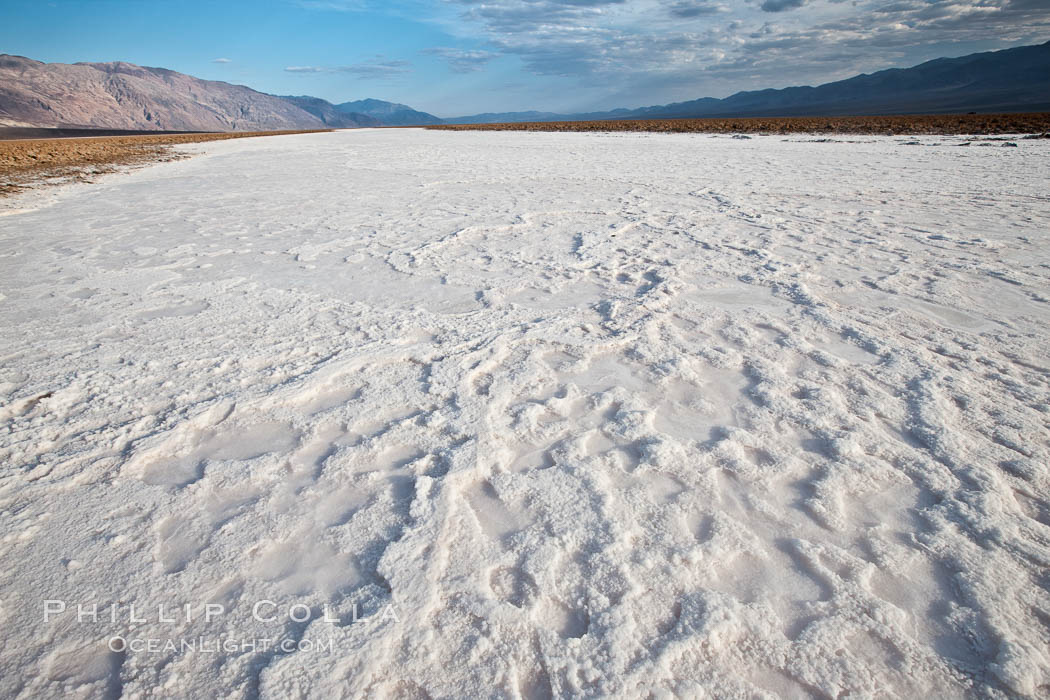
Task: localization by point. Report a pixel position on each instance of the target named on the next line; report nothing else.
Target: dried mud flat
(946, 124)
(29, 162)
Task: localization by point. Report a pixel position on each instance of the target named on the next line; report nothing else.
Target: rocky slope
(125, 96)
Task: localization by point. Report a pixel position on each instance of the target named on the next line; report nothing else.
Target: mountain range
(122, 95)
(1010, 80)
(126, 96)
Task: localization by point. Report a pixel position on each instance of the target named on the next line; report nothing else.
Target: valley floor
(406, 413)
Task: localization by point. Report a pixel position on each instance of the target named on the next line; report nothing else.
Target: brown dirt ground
(975, 124)
(28, 162)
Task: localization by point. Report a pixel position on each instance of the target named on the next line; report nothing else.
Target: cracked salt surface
(532, 415)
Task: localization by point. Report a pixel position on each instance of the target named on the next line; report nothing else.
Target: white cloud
(369, 70)
(462, 60)
(376, 70)
(222, 60)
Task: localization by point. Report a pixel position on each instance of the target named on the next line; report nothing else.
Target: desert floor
(31, 162)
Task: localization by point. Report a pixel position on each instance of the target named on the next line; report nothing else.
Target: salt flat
(531, 415)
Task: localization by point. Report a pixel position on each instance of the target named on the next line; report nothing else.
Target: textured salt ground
(596, 415)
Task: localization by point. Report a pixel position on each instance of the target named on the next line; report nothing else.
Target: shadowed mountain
(331, 115)
(390, 113)
(1011, 80)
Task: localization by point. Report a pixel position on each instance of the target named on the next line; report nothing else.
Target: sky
(460, 57)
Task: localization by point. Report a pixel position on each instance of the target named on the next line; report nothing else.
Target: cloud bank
(693, 43)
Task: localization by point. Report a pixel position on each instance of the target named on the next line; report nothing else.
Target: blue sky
(457, 57)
